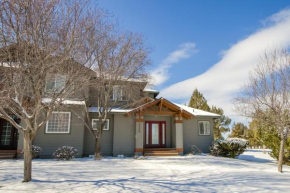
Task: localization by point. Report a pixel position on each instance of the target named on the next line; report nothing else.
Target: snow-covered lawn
(257, 155)
(156, 174)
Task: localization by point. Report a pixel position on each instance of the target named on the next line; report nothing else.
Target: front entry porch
(155, 136)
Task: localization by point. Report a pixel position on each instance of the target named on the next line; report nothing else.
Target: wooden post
(139, 136)
(178, 121)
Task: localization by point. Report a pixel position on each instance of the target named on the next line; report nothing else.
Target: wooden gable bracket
(160, 104)
(163, 107)
(152, 108)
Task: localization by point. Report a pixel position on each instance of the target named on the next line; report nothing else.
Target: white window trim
(204, 129)
(104, 129)
(56, 112)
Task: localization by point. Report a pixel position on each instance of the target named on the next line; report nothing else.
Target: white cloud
(160, 75)
(220, 83)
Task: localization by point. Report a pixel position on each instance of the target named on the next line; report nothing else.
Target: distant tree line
(260, 134)
(266, 98)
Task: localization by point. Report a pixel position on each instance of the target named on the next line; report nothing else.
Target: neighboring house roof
(197, 112)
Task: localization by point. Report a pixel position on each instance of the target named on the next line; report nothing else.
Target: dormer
(150, 93)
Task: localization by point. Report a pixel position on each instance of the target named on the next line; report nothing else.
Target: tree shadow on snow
(209, 183)
(255, 159)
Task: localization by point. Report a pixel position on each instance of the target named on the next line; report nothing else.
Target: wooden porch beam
(160, 105)
(159, 113)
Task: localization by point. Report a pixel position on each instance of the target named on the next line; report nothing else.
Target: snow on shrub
(140, 157)
(65, 153)
(231, 147)
(35, 150)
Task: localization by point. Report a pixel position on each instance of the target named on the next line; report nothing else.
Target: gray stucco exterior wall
(124, 135)
(191, 135)
(173, 133)
(49, 142)
(120, 139)
(106, 140)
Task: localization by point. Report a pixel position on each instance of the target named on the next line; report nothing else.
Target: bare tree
(267, 95)
(120, 62)
(44, 58)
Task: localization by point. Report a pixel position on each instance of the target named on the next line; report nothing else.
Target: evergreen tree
(221, 125)
(270, 137)
(198, 101)
(239, 130)
(255, 134)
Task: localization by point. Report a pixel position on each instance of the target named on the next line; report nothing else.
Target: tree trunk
(264, 149)
(281, 153)
(98, 146)
(27, 157)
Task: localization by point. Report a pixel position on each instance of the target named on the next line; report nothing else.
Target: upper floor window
(55, 83)
(204, 127)
(59, 122)
(118, 94)
(95, 123)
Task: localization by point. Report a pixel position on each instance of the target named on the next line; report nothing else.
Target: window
(59, 122)
(204, 128)
(95, 123)
(55, 83)
(118, 94)
(6, 133)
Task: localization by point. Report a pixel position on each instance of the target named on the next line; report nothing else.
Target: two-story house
(148, 125)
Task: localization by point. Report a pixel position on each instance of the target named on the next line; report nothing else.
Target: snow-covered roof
(193, 111)
(66, 102)
(113, 110)
(150, 90)
(197, 112)
(9, 64)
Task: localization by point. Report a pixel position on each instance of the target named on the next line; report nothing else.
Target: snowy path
(159, 174)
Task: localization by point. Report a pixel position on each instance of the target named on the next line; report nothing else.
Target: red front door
(155, 134)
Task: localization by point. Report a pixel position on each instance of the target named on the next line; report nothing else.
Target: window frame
(104, 129)
(53, 132)
(55, 80)
(204, 128)
(122, 96)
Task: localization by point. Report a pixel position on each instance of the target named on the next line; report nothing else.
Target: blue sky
(202, 43)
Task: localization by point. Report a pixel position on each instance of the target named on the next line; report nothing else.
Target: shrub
(35, 150)
(65, 153)
(231, 147)
(194, 150)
